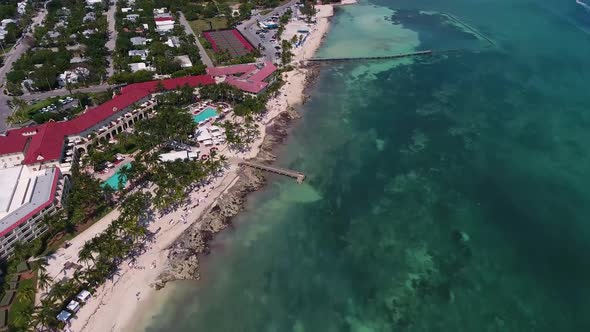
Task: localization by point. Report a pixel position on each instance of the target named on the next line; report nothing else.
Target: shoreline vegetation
(182, 235)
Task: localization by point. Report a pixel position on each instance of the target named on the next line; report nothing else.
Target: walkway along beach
(183, 234)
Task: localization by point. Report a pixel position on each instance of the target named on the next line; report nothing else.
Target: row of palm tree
(100, 257)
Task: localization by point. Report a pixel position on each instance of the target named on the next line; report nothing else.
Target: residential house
(132, 17)
(137, 66)
(164, 23)
(73, 76)
(184, 61)
(173, 41)
(138, 41)
(140, 53)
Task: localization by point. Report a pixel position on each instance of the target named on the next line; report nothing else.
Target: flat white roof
(8, 182)
(30, 190)
(184, 61)
(171, 156)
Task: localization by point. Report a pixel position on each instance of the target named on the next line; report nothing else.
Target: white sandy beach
(115, 304)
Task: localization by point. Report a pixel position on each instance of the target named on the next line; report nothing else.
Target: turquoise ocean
(444, 193)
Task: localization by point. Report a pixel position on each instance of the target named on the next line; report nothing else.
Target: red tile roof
(46, 142)
(231, 70)
(252, 78)
(246, 85)
(163, 19)
(264, 72)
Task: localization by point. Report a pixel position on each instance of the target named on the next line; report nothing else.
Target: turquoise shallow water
(444, 193)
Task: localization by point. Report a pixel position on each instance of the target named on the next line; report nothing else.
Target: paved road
(204, 56)
(248, 29)
(111, 42)
(64, 92)
(22, 45)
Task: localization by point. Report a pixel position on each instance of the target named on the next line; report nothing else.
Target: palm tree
(85, 253)
(24, 321)
(44, 315)
(26, 293)
(43, 264)
(44, 280)
(60, 291)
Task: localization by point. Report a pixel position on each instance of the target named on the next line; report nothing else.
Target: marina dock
(384, 57)
(277, 170)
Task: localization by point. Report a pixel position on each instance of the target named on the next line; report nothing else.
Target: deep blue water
(444, 193)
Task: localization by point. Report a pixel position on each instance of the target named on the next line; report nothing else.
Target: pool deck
(103, 177)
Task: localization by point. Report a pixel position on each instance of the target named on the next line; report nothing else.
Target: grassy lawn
(39, 105)
(20, 305)
(24, 114)
(201, 25)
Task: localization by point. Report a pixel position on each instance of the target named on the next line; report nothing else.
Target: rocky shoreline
(184, 253)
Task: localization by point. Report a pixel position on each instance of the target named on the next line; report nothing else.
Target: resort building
(35, 161)
(252, 78)
(28, 196)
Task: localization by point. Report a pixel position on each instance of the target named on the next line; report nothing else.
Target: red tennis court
(230, 40)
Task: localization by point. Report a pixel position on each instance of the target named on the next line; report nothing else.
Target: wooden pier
(277, 170)
(395, 56)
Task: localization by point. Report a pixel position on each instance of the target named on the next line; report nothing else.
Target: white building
(137, 66)
(139, 41)
(21, 7)
(178, 155)
(164, 23)
(93, 2)
(140, 53)
(184, 61)
(132, 17)
(26, 197)
(73, 77)
(5, 22)
(173, 41)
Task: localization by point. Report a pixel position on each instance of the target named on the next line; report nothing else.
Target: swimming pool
(207, 113)
(113, 181)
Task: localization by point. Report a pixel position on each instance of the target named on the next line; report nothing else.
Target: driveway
(64, 92)
(111, 42)
(204, 56)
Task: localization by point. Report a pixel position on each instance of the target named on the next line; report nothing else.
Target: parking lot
(266, 40)
(65, 103)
